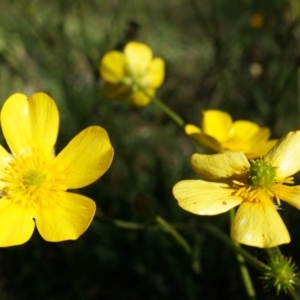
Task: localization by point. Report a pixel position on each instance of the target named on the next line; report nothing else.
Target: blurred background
(240, 56)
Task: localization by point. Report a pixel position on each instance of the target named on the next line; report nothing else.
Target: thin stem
(243, 268)
(176, 235)
(119, 223)
(167, 110)
(260, 266)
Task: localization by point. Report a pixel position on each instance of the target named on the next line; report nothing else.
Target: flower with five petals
(34, 182)
(258, 187)
(132, 75)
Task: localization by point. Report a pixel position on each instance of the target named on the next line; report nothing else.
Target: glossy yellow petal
(155, 74)
(116, 91)
(203, 139)
(219, 167)
(258, 224)
(112, 66)
(16, 224)
(217, 124)
(205, 198)
(247, 130)
(261, 149)
(191, 129)
(140, 99)
(31, 123)
(86, 157)
(285, 155)
(289, 194)
(138, 57)
(66, 220)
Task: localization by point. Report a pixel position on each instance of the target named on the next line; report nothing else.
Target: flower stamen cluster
(257, 188)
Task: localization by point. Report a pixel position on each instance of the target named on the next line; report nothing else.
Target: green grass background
(208, 47)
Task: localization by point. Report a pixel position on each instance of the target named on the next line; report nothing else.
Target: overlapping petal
(219, 167)
(205, 140)
(140, 99)
(16, 224)
(112, 66)
(289, 194)
(155, 74)
(205, 198)
(116, 91)
(138, 57)
(66, 220)
(285, 155)
(216, 124)
(86, 157)
(259, 224)
(29, 123)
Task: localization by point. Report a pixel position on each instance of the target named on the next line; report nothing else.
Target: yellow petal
(191, 129)
(261, 149)
(290, 194)
(218, 167)
(31, 123)
(250, 138)
(116, 91)
(112, 66)
(205, 198)
(138, 57)
(259, 224)
(247, 130)
(140, 99)
(67, 220)
(16, 224)
(285, 155)
(217, 124)
(155, 74)
(86, 157)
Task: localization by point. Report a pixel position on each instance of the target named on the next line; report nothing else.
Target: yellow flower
(257, 187)
(219, 133)
(125, 74)
(256, 21)
(34, 181)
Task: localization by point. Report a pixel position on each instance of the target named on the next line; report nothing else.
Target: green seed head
(261, 174)
(281, 274)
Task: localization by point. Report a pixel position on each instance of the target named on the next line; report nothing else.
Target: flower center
(32, 181)
(261, 174)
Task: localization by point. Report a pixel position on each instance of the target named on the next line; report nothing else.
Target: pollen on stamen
(33, 181)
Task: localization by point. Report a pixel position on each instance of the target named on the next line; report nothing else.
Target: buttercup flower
(125, 74)
(34, 182)
(257, 187)
(219, 133)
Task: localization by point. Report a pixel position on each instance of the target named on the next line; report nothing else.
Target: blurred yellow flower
(126, 74)
(34, 181)
(256, 21)
(219, 133)
(257, 187)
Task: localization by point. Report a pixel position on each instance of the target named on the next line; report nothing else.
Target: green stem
(167, 110)
(222, 237)
(119, 223)
(176, 235)
(175, 117)
(243, 268)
